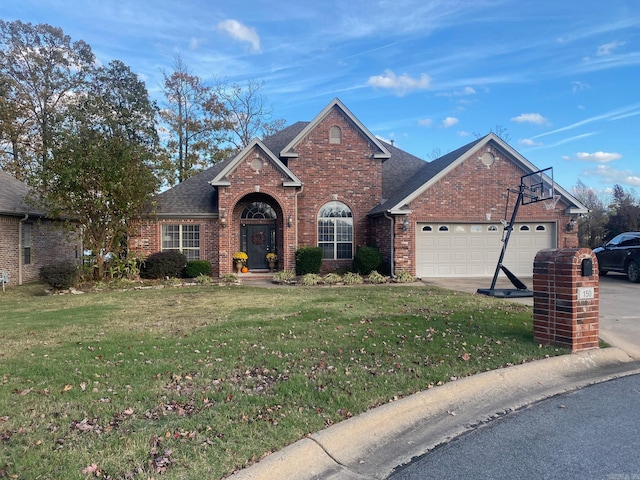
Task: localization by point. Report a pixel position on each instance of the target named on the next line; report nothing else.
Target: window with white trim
(183, 238)
(335, 231)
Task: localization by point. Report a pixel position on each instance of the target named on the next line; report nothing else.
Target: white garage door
(473, 250)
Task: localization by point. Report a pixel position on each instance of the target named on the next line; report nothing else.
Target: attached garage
(473, 250)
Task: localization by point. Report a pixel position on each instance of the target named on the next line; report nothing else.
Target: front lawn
(197, 382)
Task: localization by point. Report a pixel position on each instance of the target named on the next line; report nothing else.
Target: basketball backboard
(538, 187)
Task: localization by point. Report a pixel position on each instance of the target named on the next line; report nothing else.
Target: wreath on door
(258, 238)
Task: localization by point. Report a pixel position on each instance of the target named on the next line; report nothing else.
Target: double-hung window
(335, 231)
(26, 243)
(184, 238)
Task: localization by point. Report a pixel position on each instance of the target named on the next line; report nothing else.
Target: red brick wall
(146, 237)
(346, 172)
(559, 316)
(249, 185)
(49, 244)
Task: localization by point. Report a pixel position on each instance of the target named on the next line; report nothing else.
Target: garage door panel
(473, 250)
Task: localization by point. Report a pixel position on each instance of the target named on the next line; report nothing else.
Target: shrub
(284, 276)
(366, 260)
(203, 279)
(375, 277)
(60, 275)
(308, 260)
(311, 279)
(332, 278)
(352, 278)
(404, 277)
(229, 278)
(169, 263)
(195, 268)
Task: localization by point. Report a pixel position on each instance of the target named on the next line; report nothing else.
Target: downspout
(295, 217)
(20, 253)
(392, 261)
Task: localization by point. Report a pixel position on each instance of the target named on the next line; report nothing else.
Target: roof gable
(288, 151)
(221, 178)
(433, 171)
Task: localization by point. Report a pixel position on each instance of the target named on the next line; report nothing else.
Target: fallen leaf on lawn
(93, 468)
(67, 387)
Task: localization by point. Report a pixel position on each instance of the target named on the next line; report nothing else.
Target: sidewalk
(371, 445)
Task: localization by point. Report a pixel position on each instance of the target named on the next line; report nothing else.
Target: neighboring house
(331, 183)
(28, 239)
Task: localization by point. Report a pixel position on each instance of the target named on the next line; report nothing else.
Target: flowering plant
(272, 257)
(240, 256)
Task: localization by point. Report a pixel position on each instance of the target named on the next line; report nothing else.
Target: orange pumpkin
(244, 269)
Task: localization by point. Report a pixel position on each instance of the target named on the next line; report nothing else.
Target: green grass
(198, 382)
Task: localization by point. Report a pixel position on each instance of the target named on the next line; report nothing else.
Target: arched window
(335, 135)
(259, 210)
(335, 231)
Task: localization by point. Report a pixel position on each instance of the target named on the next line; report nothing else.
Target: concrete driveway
(619, 310)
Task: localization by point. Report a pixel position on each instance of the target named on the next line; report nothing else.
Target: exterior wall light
(405, 224)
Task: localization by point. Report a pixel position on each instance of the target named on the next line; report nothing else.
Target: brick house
(333, 184)
(28, 239)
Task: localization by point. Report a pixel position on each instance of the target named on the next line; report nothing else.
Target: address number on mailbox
(586, 293)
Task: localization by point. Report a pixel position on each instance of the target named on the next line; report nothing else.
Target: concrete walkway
(371, 445)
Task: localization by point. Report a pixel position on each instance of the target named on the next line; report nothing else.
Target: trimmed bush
(308, 260)
(375, 277)
(284, 276)
(352, 278)
(60, 275)
(366, 260)
(169, 263)
(311, 279)
(332, 278)
(195, 268)
(404, 277)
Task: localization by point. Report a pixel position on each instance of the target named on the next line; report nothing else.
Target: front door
(260, 241)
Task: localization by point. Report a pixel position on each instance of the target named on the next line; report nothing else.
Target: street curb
(373, 444)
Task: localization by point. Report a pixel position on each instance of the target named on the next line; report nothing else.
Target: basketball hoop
(551, 203)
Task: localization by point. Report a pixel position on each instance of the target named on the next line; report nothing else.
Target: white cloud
(610, 176)
(425, 122)
(466, 91)
(534, 118)
(579, 86)
(241, 32)
(598, 157)
(608, 48)
(402, 84)
(449, 122)
(527, 142)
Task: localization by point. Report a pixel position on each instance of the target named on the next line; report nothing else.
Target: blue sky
(561, 77)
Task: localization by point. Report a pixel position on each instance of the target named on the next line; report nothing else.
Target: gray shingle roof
(410, 175)
(402, 174)
(13, 194)
(193, 197)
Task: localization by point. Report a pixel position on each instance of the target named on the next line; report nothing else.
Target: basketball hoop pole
(509, 229)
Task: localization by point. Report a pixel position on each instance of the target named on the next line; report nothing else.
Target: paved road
(592, 433)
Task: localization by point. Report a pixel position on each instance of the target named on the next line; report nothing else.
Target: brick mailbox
(565, 298)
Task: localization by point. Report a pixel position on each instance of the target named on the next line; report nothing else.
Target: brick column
(565, 298)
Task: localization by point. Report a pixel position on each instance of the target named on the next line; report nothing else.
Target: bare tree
(592, 226)
(499, 130)
(249, 112)
(196, 124)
